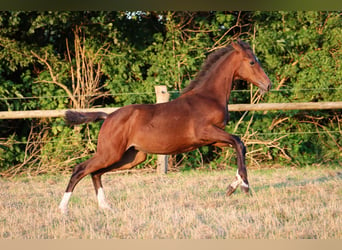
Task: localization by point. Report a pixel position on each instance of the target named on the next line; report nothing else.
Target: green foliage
(300, 51)
(11, 152)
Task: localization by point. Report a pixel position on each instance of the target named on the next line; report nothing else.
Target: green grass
(286, 204)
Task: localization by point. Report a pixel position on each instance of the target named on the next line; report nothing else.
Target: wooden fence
(163, 96)
(231, 107)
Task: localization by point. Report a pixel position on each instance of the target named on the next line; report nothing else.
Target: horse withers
(196, 118)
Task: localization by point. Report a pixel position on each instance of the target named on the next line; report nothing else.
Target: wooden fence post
(162, 96)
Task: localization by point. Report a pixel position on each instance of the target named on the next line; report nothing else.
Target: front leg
(223, 139)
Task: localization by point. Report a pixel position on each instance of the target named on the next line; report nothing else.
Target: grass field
(286, 204)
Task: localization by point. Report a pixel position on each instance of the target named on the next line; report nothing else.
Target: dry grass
(286, 204)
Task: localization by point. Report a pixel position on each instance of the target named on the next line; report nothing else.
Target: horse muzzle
(264, 87)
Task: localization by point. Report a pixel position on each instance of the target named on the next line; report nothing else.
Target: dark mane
(207, 66)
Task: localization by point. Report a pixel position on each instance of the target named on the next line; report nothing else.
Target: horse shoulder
(211, 111)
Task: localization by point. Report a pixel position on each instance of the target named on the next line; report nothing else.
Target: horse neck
(219, 83)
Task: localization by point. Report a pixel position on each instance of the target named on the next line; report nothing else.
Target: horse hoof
(245, 189)
(230, 190)
(63, 211)
(106, 207)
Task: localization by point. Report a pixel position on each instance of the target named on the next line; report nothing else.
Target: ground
(285, 203)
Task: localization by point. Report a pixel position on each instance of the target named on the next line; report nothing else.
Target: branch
(54, 78)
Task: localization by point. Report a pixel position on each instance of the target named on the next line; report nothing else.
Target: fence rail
(231, 107)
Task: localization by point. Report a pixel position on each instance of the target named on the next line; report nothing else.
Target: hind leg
(130, 159)
(83, 169)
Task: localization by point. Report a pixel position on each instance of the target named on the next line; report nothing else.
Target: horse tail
(74, 117)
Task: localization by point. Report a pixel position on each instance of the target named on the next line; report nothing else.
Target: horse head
(250, 68)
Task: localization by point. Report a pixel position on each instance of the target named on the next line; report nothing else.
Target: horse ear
(237, 45)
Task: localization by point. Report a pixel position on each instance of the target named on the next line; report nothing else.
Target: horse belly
(165, 146)
(169, 137)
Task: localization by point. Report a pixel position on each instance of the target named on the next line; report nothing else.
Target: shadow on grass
(294, 182)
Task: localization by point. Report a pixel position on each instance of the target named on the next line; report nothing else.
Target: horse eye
(252, 63)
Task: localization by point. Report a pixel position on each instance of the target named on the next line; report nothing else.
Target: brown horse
(195, 119)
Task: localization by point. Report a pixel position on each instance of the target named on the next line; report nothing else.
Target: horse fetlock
(242, 179)
(63, 206)
(238, 181)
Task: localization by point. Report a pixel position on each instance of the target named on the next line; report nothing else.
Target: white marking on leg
(102, 199)
(235, 184)
(63, 206)
(243, 184)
